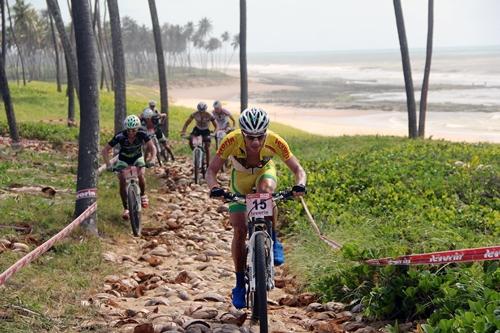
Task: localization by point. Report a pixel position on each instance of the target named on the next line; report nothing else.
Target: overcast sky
(320, 25)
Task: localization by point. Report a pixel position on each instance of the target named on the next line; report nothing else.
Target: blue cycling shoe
(238, 295)
(279, 254)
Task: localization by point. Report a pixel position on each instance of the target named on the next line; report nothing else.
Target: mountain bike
(259, 247)
(199, 160)
(131, 174)
(162, 154)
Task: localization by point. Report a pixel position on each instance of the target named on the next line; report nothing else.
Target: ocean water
(463, 99)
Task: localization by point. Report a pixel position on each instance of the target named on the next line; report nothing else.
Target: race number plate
(259, 205)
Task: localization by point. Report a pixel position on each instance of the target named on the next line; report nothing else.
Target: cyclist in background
(251, 149)
(222, 117)
(152, 120)
(203, 119)
(131, 140)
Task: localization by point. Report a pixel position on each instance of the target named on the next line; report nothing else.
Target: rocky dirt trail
(178, 276)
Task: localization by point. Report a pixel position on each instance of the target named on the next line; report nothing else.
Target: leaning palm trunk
(56, 49)
(161, 63)
(4, 37)
(118, 65)
(89, 112)
(410, 94)
(427, 71)
(243, 56)
(9, 108)
(71, 67)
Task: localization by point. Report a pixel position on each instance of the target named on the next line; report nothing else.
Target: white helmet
(202, 106)
(148, 113)
(254, 121)
(152, 103)
(132, 122)
(217, 104)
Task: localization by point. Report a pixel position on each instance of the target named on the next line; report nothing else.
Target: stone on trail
(210, 296)
(20, 247)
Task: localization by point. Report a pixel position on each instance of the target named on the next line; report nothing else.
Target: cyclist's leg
(206, 144)
(267, 182)
(141, 164)
(191, 136)
(120, 165)
(241, 183)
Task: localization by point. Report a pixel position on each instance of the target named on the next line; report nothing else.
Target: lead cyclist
(251, 149)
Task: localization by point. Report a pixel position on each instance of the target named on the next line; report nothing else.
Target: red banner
(443, 257)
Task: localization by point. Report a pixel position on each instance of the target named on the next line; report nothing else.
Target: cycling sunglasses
(253, 137)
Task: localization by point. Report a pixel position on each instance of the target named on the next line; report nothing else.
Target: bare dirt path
(178, 276)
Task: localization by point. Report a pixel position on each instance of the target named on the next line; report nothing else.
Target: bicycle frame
(131, 174)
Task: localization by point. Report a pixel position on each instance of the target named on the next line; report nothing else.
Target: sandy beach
(459, 126)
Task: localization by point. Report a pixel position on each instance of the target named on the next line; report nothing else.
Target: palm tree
(188, 35)
(14, 39)
(213, 44)
(427, 70)
(9, 108)
(118, 65)
(405, 56)
(161, 63)
(4, 38)
(71, 66)
(225, 40)
(89, 111)
(235, 43)
(243, 55)
(56, 49)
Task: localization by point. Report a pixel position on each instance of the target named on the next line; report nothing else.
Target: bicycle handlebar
(277, 196)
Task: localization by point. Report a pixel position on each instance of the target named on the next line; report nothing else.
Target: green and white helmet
(254, 121)
(132, 122)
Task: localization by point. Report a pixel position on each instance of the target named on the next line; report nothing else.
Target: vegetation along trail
(177, 277)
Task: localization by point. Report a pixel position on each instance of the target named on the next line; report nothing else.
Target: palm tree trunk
(427, 70)
(4, 38)
(70, 92)
(243, 56)
(161, 63)
(71, 65)
(405, 56)
(89, 112)
(9, 108)
(14, 39)
(56, 48)
(105, 46)
(118, 65)
(95, 22)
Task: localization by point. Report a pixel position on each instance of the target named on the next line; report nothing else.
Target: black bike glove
(300, 188)
(217, 192)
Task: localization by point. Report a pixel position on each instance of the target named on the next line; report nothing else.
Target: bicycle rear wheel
(197, 162)
(259, 304)
(134, 202)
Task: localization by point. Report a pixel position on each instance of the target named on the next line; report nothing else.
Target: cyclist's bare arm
(105, 154)
(214, 168)
(150, 151)
(186, 124)
(214, 124)
(294, 165)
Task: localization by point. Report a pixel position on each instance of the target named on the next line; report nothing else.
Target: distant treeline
(33, 45)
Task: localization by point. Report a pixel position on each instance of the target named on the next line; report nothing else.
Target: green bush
(385, 197)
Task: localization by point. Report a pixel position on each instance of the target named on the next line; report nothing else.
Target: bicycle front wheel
(259, 310)
(134, 202)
